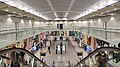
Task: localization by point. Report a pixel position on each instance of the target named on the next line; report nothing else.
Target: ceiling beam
(51, 6)
(69, 8)
(60, 11)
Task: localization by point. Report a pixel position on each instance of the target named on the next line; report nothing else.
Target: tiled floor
(61, 60)
(69, 56)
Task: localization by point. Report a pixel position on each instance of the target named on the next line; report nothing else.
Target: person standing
(69, 64)
(53, 65)
(50, 42)
(49, 49)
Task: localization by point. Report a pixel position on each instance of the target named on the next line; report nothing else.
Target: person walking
(49, 49)
(53, 65)
(69, 64)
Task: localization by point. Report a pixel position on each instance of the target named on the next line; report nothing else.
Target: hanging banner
(76, 34)
(36, 39)
(48, 33)
(27, 43)
(39, 38)
(93, 43)
(58, 33)
(62, 33)
(43, 35)
(18, 45)
(10, 46)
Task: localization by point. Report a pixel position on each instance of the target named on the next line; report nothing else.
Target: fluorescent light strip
(23, 6)
(55, 15)
(96, 6)
(66, 14)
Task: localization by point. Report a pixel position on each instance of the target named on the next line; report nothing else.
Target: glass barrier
(10, 36)
(18, 57)
(101, 57)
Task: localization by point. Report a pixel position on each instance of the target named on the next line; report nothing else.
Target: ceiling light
(112, 14)
(115, 8)
(112, 5)
(51, 22)
(55, 15)
(108, 11)
(9, 15)
(79, 21)
(6, 10)
(64, 19)
(19, 13)
(75, 22)
(102, 13)
(97, 14)
(42, 22)
(65, 22)
(56, 22)
(46, 22)
(14, 12)
(66, 14)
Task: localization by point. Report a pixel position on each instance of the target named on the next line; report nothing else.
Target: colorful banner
(36, 39)
(27, 43)
(10, 46)
(93, 43)
(62, 33)
(39, 38)
(58, 33)
(76, 34)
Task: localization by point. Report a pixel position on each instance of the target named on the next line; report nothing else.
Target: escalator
(101, 57)
(29, 59)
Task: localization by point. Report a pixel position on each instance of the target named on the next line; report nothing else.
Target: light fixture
(14, 12)
(108, 11)
(93, 15)
(115, 8)
(51, 22)
(75, 22)
(66, 15)
(112, 14)
(8, 15)
(46, 22)
(97, 14)
(55, 15)
(19, 13)
(6, 10)
(102, 13)
(112, 5)
(79, 21)
(42, 22)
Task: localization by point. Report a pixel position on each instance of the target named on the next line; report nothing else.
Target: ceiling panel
(40, 5)
(60, 5)
(72, 15)
(50, 16)
(81, 5)
(61, 14)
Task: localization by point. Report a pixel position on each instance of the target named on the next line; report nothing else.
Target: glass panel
(102, 58)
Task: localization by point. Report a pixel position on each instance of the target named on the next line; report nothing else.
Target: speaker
(61, 26)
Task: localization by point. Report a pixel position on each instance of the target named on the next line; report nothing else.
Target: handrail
(97, 50)
(5, 57)
(23, 50)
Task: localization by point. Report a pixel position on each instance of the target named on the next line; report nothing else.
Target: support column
(16, 28)
(88, 27)
(105, 28)
(33, 30)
